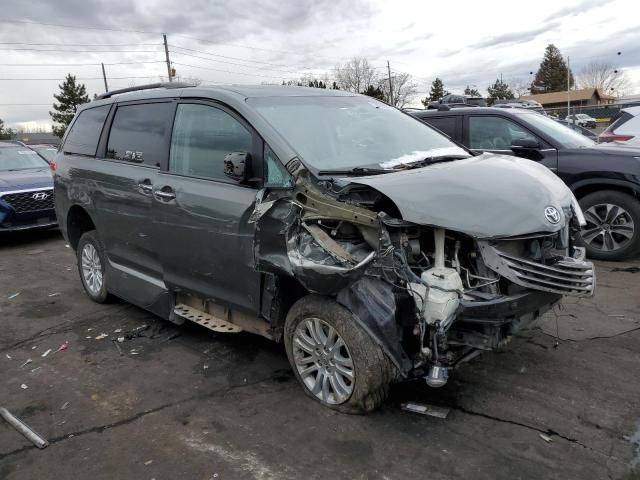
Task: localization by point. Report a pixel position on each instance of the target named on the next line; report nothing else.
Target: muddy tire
(613, 225)
(337, 363)
(91, 267)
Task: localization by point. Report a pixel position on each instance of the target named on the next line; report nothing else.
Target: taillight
(613, 137)
(53, 166)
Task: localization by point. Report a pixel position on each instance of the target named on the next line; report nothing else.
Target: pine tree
(499, 91)
(335, 86)
(474, 92)
(436, 93)
(552, 74)
(70, 97)
(375, 92)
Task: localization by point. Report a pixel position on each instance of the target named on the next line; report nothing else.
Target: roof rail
(148, 86)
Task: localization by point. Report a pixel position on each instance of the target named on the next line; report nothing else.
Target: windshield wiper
(430, 161)
(356, 171)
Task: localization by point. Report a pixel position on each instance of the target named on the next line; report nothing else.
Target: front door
(200, 214)
(496, 134)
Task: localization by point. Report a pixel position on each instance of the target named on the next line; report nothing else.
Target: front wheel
(612, 231)
(335, 360)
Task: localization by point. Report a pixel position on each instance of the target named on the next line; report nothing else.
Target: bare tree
(605, 77)
(355, 75)
(519, 86)
(404, 89)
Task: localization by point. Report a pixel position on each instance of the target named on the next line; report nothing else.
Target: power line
(85, 51)
(73, 64)
(77, 27)
(230, 71)
(297, 72)
(83, 44)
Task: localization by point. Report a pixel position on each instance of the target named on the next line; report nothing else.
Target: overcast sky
(245, 41)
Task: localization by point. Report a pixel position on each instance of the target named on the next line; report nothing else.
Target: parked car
(605, 180)
(625, 128)
(520, 103)
(48, 152)
(581, 130)
(582, 120)
(26, 189)
(374, 247)
(455, 101)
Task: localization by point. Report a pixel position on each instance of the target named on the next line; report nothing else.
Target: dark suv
(370, 244)
(605, 179)
(457, 101)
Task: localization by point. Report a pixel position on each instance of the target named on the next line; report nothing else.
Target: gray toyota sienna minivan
(370, 244)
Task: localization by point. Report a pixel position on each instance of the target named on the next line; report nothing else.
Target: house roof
(575, 95)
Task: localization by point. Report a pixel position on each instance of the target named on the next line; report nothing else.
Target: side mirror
(237, 166)
(525, 145)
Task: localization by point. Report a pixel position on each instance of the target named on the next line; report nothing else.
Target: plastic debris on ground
(148, 462)
(13, 295)
(546, 438)
(117, 330)
(64, 405)
(46, 353)
(24, 386)
(23, 428)
(62, 347)
(8, 356)
(27, 362)
(101, 336)
(425, 409)
(54, 294)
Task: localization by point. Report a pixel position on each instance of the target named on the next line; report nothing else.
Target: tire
(372, 371)
(613, 225)
(88, 245)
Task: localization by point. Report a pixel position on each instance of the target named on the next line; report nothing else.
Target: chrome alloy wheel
(91, 269)
(609, 227)
(323, 361)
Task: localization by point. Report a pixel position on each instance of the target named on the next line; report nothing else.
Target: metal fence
(602, 113)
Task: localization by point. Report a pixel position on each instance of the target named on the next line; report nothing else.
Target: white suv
(625, 127)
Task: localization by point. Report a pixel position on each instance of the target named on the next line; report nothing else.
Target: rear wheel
(91, 266)
(613, 225)
(335, 360)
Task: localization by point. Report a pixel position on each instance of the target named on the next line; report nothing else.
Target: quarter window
(202, 137)
(446, 125)
(138, 133)
(85, 132)
(495, 133)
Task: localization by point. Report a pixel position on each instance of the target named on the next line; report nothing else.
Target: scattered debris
(46, 353)
(118, 346)
(35, 369)
(54, 294)
(424, 409)
(34, 347)
(101, 336)
(120, 339)
(148, 462)
(13, 295)
(626, 269)
(117, 330)
(23, 428)
(27, 362)
(172, 336)
(62, 347)
(205, 366)
(89, 329)
(546, 438)
(24, 386)
(64, 405)
(67, 245)
(88, 338)
(133, 351)
(8, 356)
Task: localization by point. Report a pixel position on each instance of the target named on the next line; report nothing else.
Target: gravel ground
(184, 402)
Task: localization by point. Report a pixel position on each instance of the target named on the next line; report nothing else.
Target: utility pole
(390, 84)
(166, 52)
(104, 77)
(568, 88)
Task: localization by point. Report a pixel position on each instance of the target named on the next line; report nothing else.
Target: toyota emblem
(40, 196)
(552, 214)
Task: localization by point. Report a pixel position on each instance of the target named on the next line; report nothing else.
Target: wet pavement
(560, 402)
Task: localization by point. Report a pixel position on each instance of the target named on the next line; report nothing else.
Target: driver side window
(495, 133)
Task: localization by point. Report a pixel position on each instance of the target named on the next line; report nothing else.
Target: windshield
(479, 102)
(346, 132)
(567, 137)
(47, 152)
(19, 158)
(582, 115)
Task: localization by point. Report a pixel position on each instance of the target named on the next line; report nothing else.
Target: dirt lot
(184, 402)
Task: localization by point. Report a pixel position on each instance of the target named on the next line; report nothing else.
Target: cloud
(575, 9)
(516, 37)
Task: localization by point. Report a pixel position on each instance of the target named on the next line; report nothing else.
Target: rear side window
(85, 132)
(446, 125)
(621, 119)
(138, 133)
(202, 137)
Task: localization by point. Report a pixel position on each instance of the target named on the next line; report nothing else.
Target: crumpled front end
(431, 297)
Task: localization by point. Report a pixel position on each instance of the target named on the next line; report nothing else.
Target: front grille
(30, 201)
(566, 275)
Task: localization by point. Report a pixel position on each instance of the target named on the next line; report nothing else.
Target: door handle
(145, 186)
(164, 195)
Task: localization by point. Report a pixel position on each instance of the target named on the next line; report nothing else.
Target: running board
(205, 319)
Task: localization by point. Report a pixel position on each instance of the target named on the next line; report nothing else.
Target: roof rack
(149, 86)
